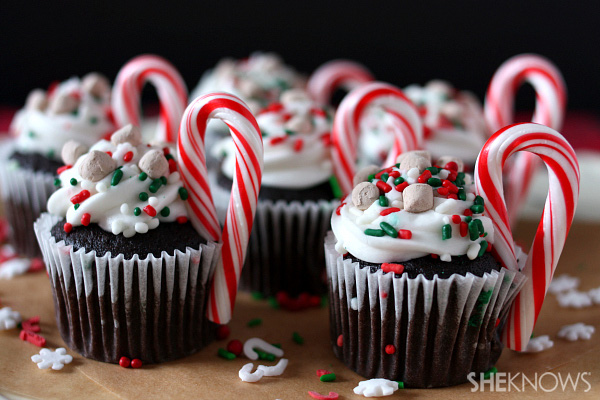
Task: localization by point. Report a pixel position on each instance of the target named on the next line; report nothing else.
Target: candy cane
(172, 94)
(549, 240)
(551, 100)
(246, 184)
(408, 130)
(335, 74)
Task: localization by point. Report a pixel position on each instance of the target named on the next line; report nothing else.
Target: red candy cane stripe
(246, 184)
(549, 240)
(169, 84)
(551, 100)
(408, 129)
(332, 75)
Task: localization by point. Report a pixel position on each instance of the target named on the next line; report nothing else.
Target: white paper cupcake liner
(285, 251)
(441, 329)
(24, 196)
(108, 307)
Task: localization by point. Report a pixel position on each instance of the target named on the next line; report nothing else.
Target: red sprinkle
(443, 191)
(390, 349)
(80, 197)
(321, 372)
(383, 186)
(318, 396)
(67, 227)
(464, 229)
(384, 295)
(402, 186)
(33, 338)
(497, 322)
(166, 151)
(395, 174)
(235, 346)
(124, 362)
(63, 169)
(37, 264)
(456, 219)
(452, 176)
(388, 211)
(338, 210)
(424, 176)
(274, 107)
(340, 340)
(277, 140)
(391, 267)
(451, 165)
(489, 248)
(31, 325)
(302, 302)
(172, 165)
(223, 332)
(128, 156)
(383, 171)
(151, 211)
(181, 220)
(453, 196)
(468, 212)
(298, 144)
(109, 153)
(434, 256)
(318, 111)
(326, 138)
(450, 186)
(404, 234)
(85, 219)
(136, 363)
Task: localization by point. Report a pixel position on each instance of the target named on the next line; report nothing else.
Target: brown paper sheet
(206, 376)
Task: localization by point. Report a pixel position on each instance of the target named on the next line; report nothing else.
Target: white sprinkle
(257, 343)
(470, 196)
(576, 331)
(468, 179)
(574, 299)
(141, 227)
(445, 219)
(173, 178)
(124, 208)
(443, 174)
(354, 303)
(448, 206)
(398, 203)
(446, 257)
(275, 370)
(538, 343)
(101, 187)
(153, 223)
(117, 226)
(473, 251)
(413, 173)
(563, 283)
(153, 201)
(128, 232)
(247, 376)
(87, 185)
(13, 267)
(355, 211)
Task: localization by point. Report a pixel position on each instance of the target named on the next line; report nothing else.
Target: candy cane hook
(335, 74)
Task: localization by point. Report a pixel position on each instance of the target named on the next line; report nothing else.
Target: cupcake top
(413, 209)
(72, 110)
(296, 135)
(123, 185)
(258, 79)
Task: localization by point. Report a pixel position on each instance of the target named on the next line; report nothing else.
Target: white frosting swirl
(44, 132)
(295, 137)
(112, 207)
(425, 227)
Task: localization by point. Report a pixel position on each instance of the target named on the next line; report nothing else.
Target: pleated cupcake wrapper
(441, 329)
(285, 251)
(24, 197)
(108, 307)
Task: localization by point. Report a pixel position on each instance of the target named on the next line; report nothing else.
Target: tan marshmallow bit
(300, 124)
(127, 134)
(71, 151)
(363, 174)
(422, 153)
(96, 165)
(442, 161)
(36, 100)
(364, 194)
(63, 104)
(417, 198)
(96, 84)
(294, 96)
(414, 161)
(154, 164)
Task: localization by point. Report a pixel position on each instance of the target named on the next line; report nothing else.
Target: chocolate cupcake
(129, 273)
(296, 198)
(72, 110)
(415, 294)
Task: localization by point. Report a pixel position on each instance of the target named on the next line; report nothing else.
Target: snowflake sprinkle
(376, 387)
(9, 318)
(574, 299)
(576, 331)
(563, 283)
(55, 359)
(538, 343)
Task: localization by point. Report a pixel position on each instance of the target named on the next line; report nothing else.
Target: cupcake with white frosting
(296, 197)
(72, 110)
(129, 273)
(415, 293)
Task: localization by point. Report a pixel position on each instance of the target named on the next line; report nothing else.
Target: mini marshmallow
(71, 151)
(36, 100)
(418, 198)
(127, 134)
(363, 174)
(299, 123)
(63, 104)
(414, 161)
(154, 164)
(442, 161)
(422, 153)
(96, 165)
(364, 194)
(95, 84)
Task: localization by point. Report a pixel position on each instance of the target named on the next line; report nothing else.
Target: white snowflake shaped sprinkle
(563, 283)
(9, 318)
(55, 359)
(376, 387)
(574, 299)
(14, 267)
(595, 295)
(538, 343)
(576, 331)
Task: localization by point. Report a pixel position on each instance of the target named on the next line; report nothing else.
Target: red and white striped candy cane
(346, 127)
(549, 240)
(551, 101)
(171, 89)
(246, 184)
(335, 74)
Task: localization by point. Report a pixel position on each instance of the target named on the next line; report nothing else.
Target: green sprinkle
(93, 120)
(137, 211)
(468, 219)
(75, 112)
(163, 179)
(460, 175)
(473, 230)
(398, 180)
(446, 232)
(487, 374)
(116, 178)
(397, 165)
(435, 182)
(383, 201)
(31, 134)
(76, 206)
(297, 338)
(263, 355)
(483, 248)
(433, 170)
(169, 157)
(256, 295)
(254, 322)
(385, 177)
(462, 195)
(142, 176)
(400, 385)
(327, 377)
(73, 181)
(335, 187)
(50, 153)
(477, 209)
(56, 182)
(278, 345)
(478, 200)
(183, 193)
(374, 232)
(371, 177)
(155, 185)
(289, 132)
(273, 302)
(226, 354)
(388, 229)
(165, 212)
(143, 196)
(480, 226)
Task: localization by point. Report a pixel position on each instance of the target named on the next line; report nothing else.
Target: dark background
(463, 42)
